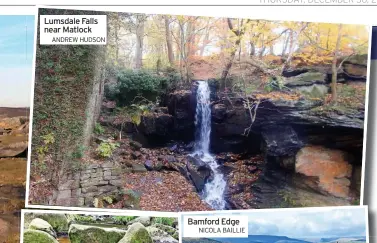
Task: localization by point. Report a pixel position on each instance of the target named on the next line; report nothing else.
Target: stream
(213, 192)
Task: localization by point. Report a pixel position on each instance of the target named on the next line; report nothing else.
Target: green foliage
(133, 83)
(78, 153)
(123, 219)
(164, 221)
(274, 84)
(98, 129)
(108, 199)
(105, 149)
(84, 218)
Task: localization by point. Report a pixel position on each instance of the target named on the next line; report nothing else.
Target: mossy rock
(160, 236)
(168, 229)
(42, 225)
(59, 222)
(144, 220)
(136, 233)
(37, 236)
(305, 79)
(88, 234)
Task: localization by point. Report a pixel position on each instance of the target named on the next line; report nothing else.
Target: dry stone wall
(81, 188)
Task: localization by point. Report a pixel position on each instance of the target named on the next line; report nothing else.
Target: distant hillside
(250, 239)
(13, 112)
(200, 240)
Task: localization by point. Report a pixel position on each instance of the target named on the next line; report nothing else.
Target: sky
(309, 223)
(16, 59)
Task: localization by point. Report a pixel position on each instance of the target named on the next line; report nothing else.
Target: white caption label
(73, 29)
(215, 226)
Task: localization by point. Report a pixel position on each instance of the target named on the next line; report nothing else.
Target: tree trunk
(205, 40)
(292, 46)
(169, 41)
(140, 19)
(285, 46)
(334, 94)
(252, 49)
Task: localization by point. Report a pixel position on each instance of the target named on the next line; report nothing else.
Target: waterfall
(214, 190)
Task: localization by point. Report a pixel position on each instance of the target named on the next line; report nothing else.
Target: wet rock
(281, 140)
(329, 166)
(199, 172)
(156, 124)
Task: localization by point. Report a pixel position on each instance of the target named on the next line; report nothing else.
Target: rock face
(42, 225)
(136, 233)
(13, 136)
(89, 234)
(32, 236)
(330, 168)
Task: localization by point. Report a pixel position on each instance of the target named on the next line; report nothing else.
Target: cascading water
(214, 190)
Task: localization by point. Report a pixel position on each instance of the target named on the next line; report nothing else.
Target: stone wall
(81, 188)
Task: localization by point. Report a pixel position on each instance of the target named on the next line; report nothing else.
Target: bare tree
(169, 40)
(334, 69)
(140, 21)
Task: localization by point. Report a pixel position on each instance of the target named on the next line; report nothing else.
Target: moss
(37, 236)
(168, 229)
(59, 222)
(137, 233)
(90, 234)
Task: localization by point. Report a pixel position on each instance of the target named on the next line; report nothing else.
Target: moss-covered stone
(168, 229)
(59, 222)
(37, 236)
(42, 225)
(305, 79)
(89, 234)
(160, 236)
(136, 233)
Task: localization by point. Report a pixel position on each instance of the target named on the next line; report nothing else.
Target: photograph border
(119, 8)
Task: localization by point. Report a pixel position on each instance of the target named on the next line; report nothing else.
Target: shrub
(164, 221)
(123, 219)
(274, 84)
(98, 129)
(133, 83)
(78, 153)
(105, 149)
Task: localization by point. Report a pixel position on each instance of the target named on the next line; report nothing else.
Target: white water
(214, 190)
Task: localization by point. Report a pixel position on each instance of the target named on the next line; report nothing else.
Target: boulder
(13, 144)
(305, 79)
(146, 221)
(88, 234)
(281, 140)
(42, 225)
(59, 222)
(160, 236)
(33, 236)
(168, 229)
(199, 172)
(136, 145)
(138, 168)
(326, 170)
(136, 233)
(158, 124)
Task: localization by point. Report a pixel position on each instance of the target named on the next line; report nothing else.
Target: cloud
(311, 223)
